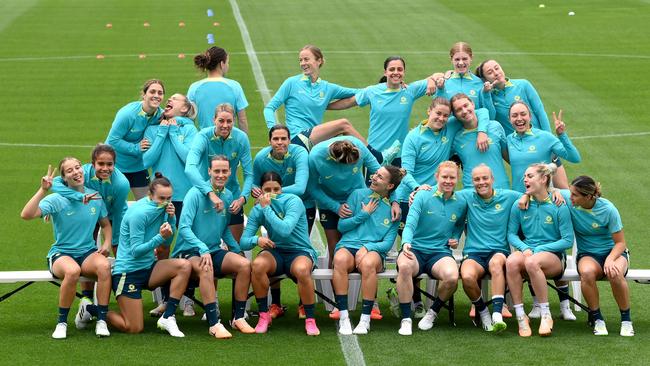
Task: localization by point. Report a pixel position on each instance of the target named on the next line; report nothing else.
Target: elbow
(25, 215)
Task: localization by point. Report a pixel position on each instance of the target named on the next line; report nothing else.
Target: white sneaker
(158, 311)
(170, 326)
(486, 321)
(391, 153)
(566, 313)
(600, 329)
(61, 331)
(83, 317)
(188, 308)
(627, 330)
(204, 318)
(426, 323)
(101, 329)
(406, 327)
(536, 313)
(362, 328)
(345, 327)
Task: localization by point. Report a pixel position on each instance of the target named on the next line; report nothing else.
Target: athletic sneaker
(188, 308)
(486, 321)
(362, 328)
(345, 327)
(545, 325)
(242, 325)
(393, 301)
(406, 327)
(169, 325)
(375, 314)
(301, 312)
(600, 329)
(219, 331)
(263, 322)
(311, 328)
(101, 329)
(536, 313)
(83, 317)
(419, 311)
(627, 330)
(566, 313)
(497, 323)
(276, 311)
(158, 311)
(524, 326)
(426, 323)
(61, 331)
(391, 153)
(335, 314)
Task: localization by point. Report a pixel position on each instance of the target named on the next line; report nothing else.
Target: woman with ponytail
(216, 89)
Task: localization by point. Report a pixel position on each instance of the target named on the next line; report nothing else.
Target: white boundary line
(632, 134)
(351, 350)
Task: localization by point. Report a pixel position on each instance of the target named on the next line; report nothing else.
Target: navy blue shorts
(284, 259)
(303, 139)
(483, 258)
(138, 179)
(236, 219)
(329, 220)
(217, 258)
(79, 259)
(131, 284)
(178, 208)
(600, 259)
(426, 261)
(311, 217)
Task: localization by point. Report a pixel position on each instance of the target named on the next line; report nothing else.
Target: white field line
(632, 134)
(351, 350)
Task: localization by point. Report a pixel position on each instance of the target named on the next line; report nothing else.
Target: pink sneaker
(311, 328)
(263, 323)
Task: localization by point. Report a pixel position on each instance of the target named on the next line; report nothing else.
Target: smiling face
(394, 73)
(447, 177)
(461, 61)
(224, 122)
(219, 173)
(72, 173)
(483, 181)
(464, 110)
(520, 117)
(493, 72)
(271, 186)
(176, 106)
(534, 182)
(309, 64)
(104, 165)
(380, 181)
(279, 142)
(152, 98)
(438, 116)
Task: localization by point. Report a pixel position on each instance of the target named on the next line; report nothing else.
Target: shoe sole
(500, 327)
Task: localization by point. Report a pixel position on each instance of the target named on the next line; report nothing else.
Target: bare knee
(301, 271)
(259, 267)
(532, 264)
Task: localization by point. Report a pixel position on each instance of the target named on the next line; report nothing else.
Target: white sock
(544, 308)
(565, 304)
(535, 302)
(365, 318)
(485, 311)
(497, 317)
(343, 314)
(519, 310)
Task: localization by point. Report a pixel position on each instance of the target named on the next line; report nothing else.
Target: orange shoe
(546, 325)
(472, 312)
(524, 327)
(301, 312)
(219, 331)
(276, 311)
(375, 314)
(335, 314)
(505, 312)
(242, 325)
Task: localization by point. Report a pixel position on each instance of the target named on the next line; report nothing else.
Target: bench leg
(573, 300)
(78, 295)
(8, 294)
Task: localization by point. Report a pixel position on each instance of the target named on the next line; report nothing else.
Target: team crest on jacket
(93, 210)
(355, 170)
(549, 220)
(386, 222)
(497, 207)
(234, 154)
(289, 170)
(453, 217)
(595, 225)
(532, 148)
(517, 98)
(402, 100)
(472, 92)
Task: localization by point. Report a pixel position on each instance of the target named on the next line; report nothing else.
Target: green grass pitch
(54, 91)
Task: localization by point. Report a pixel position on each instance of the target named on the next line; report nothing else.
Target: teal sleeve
(537, 107)
(341, 92)
(358, 215)
(383, 246)
(249, 237)
(65, 191)
(191, 92)
(324, 201)
(362, 97)
(488, 104)
(199, 146)
(119, 129)
(409, 156)
(182, 149)
(284, 227)
(513, 229)
(483, 117)
(413, 217)
(257, 170)
(190, 205)
(460, 225)
(369, 160)
(566, 234)
(152, 155)
(139, 247)
(301, 174)
(119, 204)
(230, 241)
(565, 149)
(418, 88)
(278, 99)
(247, 167)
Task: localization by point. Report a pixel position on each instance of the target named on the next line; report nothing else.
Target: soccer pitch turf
(60, 100)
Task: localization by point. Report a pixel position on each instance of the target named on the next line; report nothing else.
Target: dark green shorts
(131, 284)
(79, 259)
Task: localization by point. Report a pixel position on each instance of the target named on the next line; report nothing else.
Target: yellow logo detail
(453, 217)
(355, 170)
(532, 148)
(93, 210)
(234, 154)
(497, 207)
(181, 138)
(386, 222)
(323, 217)
(595, 225)
(549, 220)
(472, 92)
(444, 139)
(322, 95)
(517, 98)
(402, 100)
(131, 287)
(289, 170)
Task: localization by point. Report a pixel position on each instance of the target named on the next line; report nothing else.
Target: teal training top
(423, 150)
(235, 147)
(293, 169)
(536, 146)
(201, 226)
(126, 133)
(168, 152)
(285, 222)
(376, 232)
(433, 220)
(114, 191)
(546, 227)
(330, 182)
(390, 110)
(487, 220)
(304, 102)
(140, 235)
(73, 223)
(594, 227)
(208, 93)
(464, 146)
(499, 102)
(467, 83)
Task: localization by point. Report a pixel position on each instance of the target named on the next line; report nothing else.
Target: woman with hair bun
(602, 251)
(216, 89)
